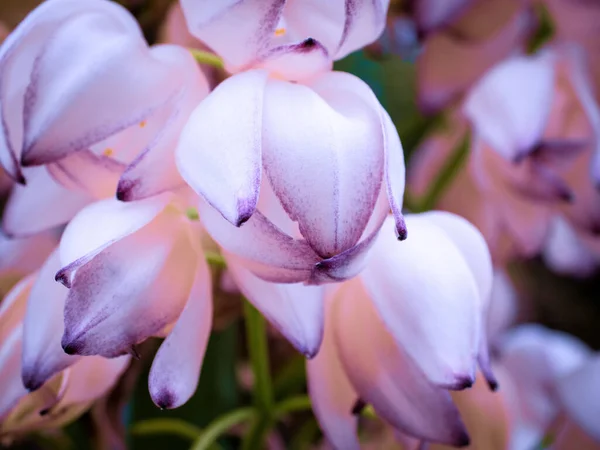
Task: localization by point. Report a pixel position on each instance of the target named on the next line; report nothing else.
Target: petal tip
(63, 278)
(462, 382)
(164, 399)
(125, 190)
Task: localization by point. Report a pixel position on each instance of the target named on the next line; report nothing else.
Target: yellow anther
(142, 124)
(108, 152)
(280, 31)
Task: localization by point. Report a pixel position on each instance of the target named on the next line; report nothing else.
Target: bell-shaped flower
(69, 390)
(555, 378)
(246, 33)
(298, 188)
(136, 270)
(84, 95)
(419, 307)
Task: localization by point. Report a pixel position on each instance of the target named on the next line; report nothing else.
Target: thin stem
(445, 177)
(256, 336)
(176, 427)
(207, 440)
(293, 404)
(215, 259)
(207, 58)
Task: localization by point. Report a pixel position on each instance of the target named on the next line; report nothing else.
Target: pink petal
(92, 377)
(384, 376)
(43, 328)
(228, 178)
(296, 61)
(11, 390)
(352, 261)
(12, 307)
(176, 368)
(510, 105)
(40, 205)
(330, 142)
(100, 225)
(237, 30)
(23, 256)
(154, 170)
(294, 309)
(331, 393)
(579, 393)
(87, 172)
(428, 299)
(80, 90)
(260, 243)
(131, 290)
(364, 22)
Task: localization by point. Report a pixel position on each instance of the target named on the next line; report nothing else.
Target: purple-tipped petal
(331, 393)
(40, 205)
(295, 310)
(431, 306)
(87, 172)
(131, 290)
(262, 244)
(386, 377)
(223, 166)
(43, 328)
(100, 225)
(296, 61)
(176, 368)
(237, 30)
(80, 90)
(333, 140)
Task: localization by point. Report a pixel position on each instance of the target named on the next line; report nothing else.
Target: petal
(23, 256)
(428, 299)
(18, 56)
(87, 172)
(80, 90)
(333, 140)
(131, 290)
(12, 307)
(176, 368)
(43, 328)
(296, 61)
(331, 393)
(384, 376)
(100, 225)
(11, 390)
(92, 377)
(579, 393)
(230, 119)
(510, 105)
(154, 170)
(260, 243)
(352, 261)
(295, 310)
(41, 205)
(237, 30)
(342, 26)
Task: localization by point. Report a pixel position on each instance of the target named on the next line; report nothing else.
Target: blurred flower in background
(205, 202)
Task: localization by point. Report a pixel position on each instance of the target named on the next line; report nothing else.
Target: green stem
(215, 259)
(207, 58)
(445, 177)
(293, 404)
(256, 336)
(219, 426)
(167, 426)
